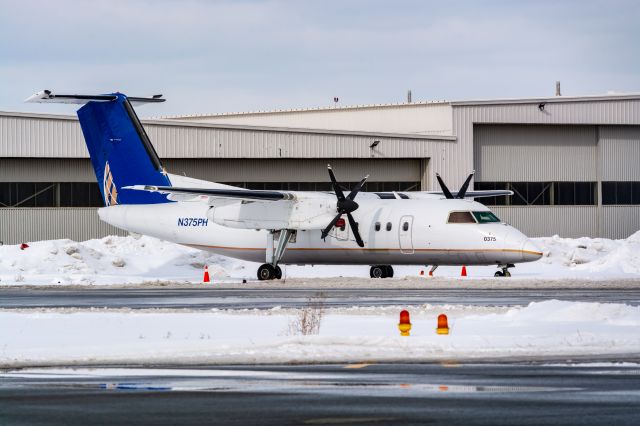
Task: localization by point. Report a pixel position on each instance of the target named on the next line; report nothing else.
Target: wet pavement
(445, 393)
(252, 298)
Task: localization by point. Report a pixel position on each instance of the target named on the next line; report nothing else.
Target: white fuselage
(419, 234)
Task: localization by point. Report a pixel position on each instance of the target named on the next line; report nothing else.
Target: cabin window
(377, 226)
(388, 226)
(486, 217)
(461, 217)
(405, 226)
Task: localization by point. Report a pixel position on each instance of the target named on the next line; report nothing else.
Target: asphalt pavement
(266, 298)
(446, 393)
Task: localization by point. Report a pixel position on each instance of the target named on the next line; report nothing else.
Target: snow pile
(592, 254)
(123, 260)
(546, 329)
(109, 260)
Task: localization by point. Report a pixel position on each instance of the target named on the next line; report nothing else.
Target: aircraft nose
(530, 251)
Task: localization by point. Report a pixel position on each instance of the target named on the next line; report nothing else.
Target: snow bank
(546, 329)
(110, 260)
(124, 260)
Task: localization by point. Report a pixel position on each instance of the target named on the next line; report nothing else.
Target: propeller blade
(357, 188)
(326, 230)
(334, 183)
(444, 188)
(354, 227)
(463, 189)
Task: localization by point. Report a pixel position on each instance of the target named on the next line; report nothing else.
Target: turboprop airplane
(285, 227)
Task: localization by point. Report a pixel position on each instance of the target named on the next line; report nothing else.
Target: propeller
(461, 192)
(345, 205)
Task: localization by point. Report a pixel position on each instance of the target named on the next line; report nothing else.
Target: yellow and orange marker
(405, 323)
(443, 325)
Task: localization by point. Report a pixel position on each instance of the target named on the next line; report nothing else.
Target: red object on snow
(464, 271)
(24, 246)
(404, 317)
(206, 278)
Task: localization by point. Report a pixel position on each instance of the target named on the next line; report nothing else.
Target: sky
(228, 56)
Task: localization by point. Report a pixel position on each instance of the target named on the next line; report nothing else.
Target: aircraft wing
(255, 209)
(213, 193)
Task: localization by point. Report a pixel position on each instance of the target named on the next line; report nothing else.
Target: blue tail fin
(121, 152)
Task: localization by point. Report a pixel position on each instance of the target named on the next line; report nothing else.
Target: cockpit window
(486, 217)
(461, 217)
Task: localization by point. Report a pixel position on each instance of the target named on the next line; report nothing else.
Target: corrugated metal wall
(544, 221)
(46, 170)
(297, 170)
(22, 224)
(619, 148)
(223, 170)
(525, 153)
(620, 221)
(51, 136)
(617, 151)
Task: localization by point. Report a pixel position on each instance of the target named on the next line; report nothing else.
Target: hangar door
(303, 174)
(523, 153)
(552, 170)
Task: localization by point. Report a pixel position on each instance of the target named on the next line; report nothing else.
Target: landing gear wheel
(377, 272)
(266, 272)
(278, 273)
(388, 272)
(507, 274)
(499, 274)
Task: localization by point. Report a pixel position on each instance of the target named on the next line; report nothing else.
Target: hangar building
(573, 162)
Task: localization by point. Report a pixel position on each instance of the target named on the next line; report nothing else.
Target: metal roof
(499, 101)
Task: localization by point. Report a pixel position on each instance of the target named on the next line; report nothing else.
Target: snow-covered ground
(123, 260)
(545, 329)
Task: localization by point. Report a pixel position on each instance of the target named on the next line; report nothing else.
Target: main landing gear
(505, 270)
(271, 270)
(381, 271)
(266, 272)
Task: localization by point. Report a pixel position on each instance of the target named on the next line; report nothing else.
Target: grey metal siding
(620, 221)
(46, 170)
(617, 111)
(61, 137)
(544, 221)
(534, 153)
(296, 170)
(222, 170)
(23, 224)
(620, 153)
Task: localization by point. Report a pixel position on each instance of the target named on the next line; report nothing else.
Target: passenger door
(405, 234)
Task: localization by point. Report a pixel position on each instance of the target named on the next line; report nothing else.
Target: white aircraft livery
(285, 227)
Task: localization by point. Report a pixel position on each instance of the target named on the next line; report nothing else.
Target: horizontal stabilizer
(46, 96)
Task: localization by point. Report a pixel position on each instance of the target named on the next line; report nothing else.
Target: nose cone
(530, 251)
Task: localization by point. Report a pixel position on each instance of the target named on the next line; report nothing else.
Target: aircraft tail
(120, 150)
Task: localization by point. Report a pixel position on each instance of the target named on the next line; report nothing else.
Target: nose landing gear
(505, 270)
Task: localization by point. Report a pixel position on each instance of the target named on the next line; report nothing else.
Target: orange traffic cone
(430, 273)
(421, 273)
(464, 271)
(206, 278)
(443, 325)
